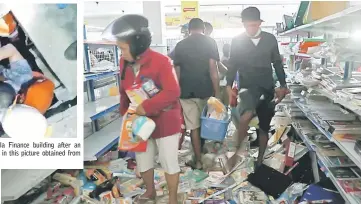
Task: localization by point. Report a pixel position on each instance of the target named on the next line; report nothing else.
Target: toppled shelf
(97, 109)
(332, 23)
(100, 75)
(100, 142)
(16, 182)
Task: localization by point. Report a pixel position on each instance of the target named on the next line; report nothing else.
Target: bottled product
(149, 86)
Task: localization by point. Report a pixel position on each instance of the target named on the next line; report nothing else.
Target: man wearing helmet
(133, 37)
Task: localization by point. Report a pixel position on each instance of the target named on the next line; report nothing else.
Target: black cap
(251, 14)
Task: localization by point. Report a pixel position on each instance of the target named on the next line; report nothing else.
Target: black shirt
(192, 55)
(254, 62)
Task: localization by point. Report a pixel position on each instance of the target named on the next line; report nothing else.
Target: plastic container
(212, 129)
(149, 86)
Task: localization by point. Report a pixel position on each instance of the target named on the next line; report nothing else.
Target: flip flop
(143, 200)
(192, 164)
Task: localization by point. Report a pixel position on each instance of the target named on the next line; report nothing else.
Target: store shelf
(100, 75)
(335, 22)
(112, 43)
(305, 140)
(100, 142)
(349, 105)
(16, 182)
(324, 164)
(99, 42)
(346, 147)
(97, 109)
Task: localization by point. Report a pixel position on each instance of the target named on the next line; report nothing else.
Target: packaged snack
(95, 176)
(136, 95)
(88, 187)
(54, 187)
(127, 141)
(216, 109)
(115, 191)
(143, 127)
(107, 198)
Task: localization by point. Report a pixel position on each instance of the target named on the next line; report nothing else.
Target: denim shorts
(19, 73)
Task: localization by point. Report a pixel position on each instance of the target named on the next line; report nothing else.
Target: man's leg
(192, 113)
(265, 112)
(249, 99)
(145, 165)
(168, 156)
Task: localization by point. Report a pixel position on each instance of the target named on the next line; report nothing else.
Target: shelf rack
(325, 167)
(333, 26)
(104, 138)
(340, 23)
(346, 147)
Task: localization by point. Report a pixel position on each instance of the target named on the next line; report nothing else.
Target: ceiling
(221, 12)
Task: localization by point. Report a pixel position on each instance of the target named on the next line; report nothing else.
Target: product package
(136, 95)
(351, 186)
(252, 197)
(127, 140)
(143, 127)
(95, 176)
(216, 109)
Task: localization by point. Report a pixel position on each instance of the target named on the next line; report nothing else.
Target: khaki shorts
(192, 111)
(167, 148)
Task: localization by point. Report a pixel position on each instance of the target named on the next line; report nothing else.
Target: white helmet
(23, 121)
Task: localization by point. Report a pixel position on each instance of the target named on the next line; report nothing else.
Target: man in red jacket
(138, 60)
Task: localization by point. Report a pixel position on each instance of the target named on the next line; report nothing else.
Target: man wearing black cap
(252, 54)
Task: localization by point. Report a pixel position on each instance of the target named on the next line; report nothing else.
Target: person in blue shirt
(16, 74)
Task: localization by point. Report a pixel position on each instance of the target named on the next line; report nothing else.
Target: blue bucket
(212, 129)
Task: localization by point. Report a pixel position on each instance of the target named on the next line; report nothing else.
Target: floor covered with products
(287, 175)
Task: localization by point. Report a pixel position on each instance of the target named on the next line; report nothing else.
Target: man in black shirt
(195, 60)
(252, 55)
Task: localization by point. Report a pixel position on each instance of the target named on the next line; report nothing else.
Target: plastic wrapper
(276, 162)
(291, 193)
(107, 198)
(127, 140)
(136, 95)
(216, 109)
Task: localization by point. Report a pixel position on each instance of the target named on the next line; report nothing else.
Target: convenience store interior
(315, 142)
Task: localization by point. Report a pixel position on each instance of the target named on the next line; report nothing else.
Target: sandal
(143, 200)
(192, 164)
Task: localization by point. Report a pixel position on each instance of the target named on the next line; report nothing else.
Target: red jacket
(158, 68)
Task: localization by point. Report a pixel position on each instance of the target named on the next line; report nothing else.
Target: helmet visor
(124, 27)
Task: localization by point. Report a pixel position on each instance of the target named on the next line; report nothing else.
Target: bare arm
(222, 68)
(8, 51)
(214, 76)
(177, 71)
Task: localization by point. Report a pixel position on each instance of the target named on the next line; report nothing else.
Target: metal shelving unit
(325, 167)
(95, 109)
(340, 24)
